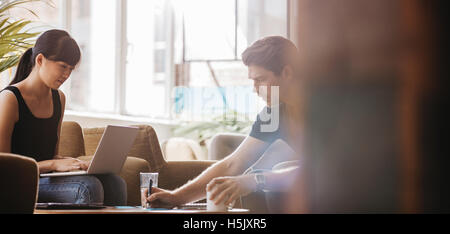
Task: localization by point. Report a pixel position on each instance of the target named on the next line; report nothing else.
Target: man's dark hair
(272, 53)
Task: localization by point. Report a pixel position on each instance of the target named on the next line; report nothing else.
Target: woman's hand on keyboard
(69, 164)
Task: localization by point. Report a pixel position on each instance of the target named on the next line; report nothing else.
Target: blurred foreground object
(19, 177)
(376, 125)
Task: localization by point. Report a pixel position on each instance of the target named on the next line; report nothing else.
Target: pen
(149, 192)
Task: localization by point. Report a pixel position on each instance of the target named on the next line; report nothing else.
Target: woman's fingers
(74, 168)
(85, 165)
(78, 164)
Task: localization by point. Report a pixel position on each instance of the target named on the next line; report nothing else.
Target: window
(213, 80)
(209, 30)
(227, 27)
(47, 12)
(164, 58)
(92, 85)
(125, 66)
(148, 58)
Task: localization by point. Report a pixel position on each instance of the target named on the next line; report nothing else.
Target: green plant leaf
(3, 22)
(9, 62)
(8, 5)
(14, 37)
(201, 131)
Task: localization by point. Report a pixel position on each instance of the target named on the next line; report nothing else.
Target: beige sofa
(145, 156)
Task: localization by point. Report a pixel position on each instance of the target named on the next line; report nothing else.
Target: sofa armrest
(130, 173)
(176, 173)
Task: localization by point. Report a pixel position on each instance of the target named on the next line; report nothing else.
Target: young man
(272, 66)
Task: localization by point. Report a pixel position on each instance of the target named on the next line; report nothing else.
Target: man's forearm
(281, 180)
(195, 189)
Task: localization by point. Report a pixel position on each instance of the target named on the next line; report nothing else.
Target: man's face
(263, 78)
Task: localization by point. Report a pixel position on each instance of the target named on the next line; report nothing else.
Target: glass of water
(145, 178)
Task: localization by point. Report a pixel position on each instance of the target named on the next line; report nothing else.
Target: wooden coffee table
(137, 210)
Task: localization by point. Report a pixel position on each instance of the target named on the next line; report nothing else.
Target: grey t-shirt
(269, 136)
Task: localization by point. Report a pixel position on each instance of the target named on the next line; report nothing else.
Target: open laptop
(111, 152)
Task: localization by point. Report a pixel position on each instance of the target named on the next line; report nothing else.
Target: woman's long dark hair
(56, 45)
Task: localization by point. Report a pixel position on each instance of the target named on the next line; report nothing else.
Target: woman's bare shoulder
(8, 98)
(9, 105)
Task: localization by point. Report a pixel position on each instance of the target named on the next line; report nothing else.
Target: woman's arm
(9, 115)
(49, 165)
(60, 163)
(63, 107)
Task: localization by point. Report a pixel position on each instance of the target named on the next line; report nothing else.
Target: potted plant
(202, 131)
(14, 37)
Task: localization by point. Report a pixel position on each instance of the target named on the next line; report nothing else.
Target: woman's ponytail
(25, 66)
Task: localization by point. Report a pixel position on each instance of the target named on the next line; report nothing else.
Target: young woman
(31, 112)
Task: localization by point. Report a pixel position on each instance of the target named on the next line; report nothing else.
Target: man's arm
(228, 189)
(280, 180)
(236, 163)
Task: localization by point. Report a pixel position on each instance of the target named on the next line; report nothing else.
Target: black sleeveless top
(35, 137)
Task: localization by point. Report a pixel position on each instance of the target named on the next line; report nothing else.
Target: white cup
(210, 206)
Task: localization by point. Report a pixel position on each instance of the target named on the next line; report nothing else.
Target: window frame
(236, 23)
(65, 18)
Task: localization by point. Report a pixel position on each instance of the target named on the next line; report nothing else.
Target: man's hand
(161, 198)
(228, 189)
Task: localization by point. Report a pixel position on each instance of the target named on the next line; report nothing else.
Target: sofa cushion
(177, 173)
(146, 146)
(182, 149)
(71, 142)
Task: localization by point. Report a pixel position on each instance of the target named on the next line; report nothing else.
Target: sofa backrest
(71, 142)
(146, 145)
